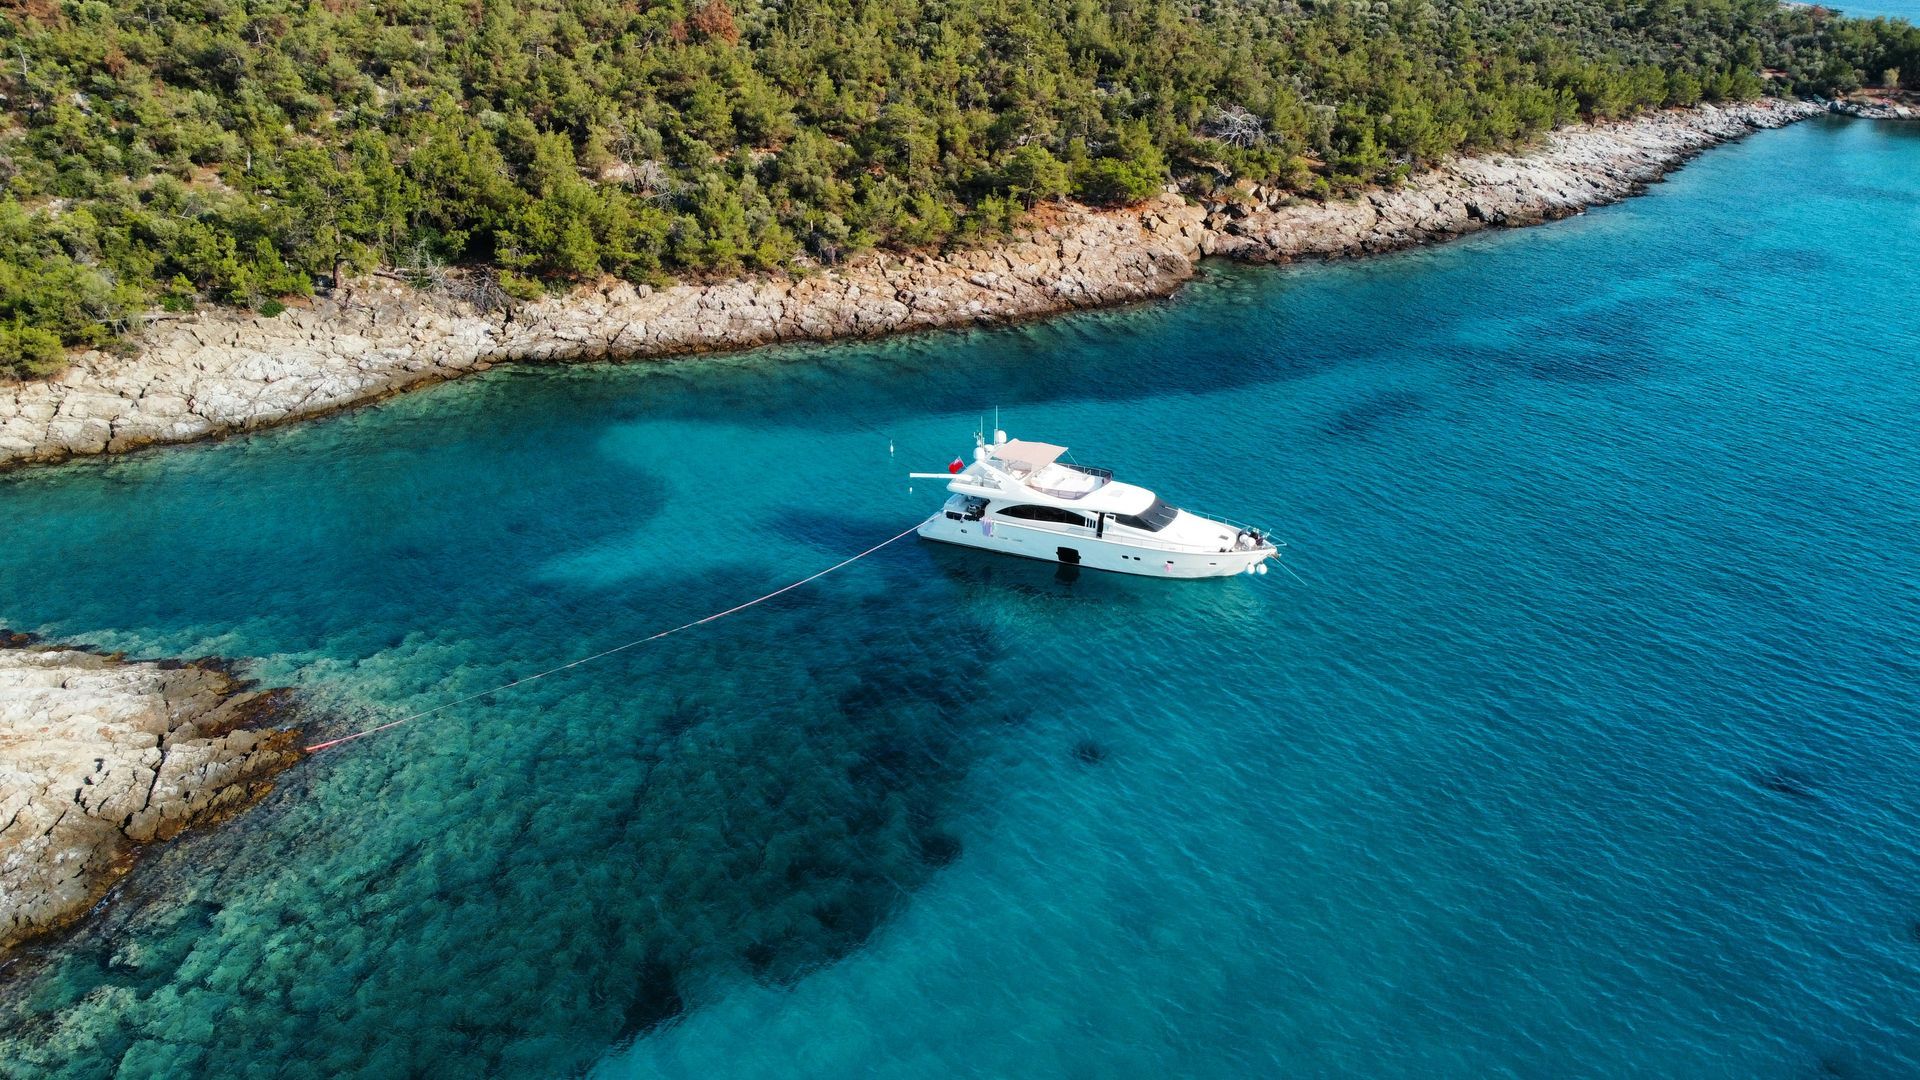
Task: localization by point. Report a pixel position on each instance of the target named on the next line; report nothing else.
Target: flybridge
(1033, 471)
(1024, 457)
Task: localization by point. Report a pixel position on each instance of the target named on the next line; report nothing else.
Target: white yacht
(1020, 498)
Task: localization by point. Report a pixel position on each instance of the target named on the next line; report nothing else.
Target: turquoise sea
(1890, 9)
(1588, 746)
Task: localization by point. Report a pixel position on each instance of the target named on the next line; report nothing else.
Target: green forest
(169, 153)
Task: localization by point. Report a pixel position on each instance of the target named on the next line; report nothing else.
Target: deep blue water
(1587, 749)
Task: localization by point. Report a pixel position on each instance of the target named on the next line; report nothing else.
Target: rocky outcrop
(99, 755)
(1903, 107)
(219, 372)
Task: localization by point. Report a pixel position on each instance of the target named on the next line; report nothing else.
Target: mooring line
(391, 724)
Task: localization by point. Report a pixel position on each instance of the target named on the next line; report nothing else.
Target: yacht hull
(1079, 547)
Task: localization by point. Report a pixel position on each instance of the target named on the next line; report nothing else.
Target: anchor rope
(391, 724)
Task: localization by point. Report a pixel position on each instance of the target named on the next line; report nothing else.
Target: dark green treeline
(170, 152)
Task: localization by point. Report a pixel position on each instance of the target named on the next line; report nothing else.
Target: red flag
(956, 466)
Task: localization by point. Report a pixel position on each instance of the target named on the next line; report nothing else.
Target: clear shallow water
(1587, 751)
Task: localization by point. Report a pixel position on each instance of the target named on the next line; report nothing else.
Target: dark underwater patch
(1606, 344)
(654, 1000)
(1736, 582)
(1376, 411)
(788, 811)
(939, 850)
(681, 715)
(1571, 362)
(1813, 262)
(840, 534)
(1784, 780)
(1089, 752)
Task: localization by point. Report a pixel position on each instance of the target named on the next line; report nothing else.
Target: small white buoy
(1262, 568)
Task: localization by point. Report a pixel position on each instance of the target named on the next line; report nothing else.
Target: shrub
(1032, 173)
(179, 295)
(1111, 182)
(1134, 172)
(521, 288)
(29, 350)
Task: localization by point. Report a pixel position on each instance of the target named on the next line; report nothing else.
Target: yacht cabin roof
(1034, 455)
(1112, 497)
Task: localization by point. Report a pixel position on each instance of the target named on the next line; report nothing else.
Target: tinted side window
(1152, 519)
(1045, 513)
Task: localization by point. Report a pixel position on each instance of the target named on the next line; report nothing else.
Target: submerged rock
(99, 755)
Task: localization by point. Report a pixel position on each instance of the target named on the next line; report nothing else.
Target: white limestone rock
(99, 755)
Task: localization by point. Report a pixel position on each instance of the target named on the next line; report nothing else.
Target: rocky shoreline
(1902, 107)
(220, 372)
(100, 755)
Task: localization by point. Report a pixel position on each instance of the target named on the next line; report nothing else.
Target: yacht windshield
(1154, 518)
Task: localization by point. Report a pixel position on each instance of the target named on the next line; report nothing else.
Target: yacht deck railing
(1241, 525)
